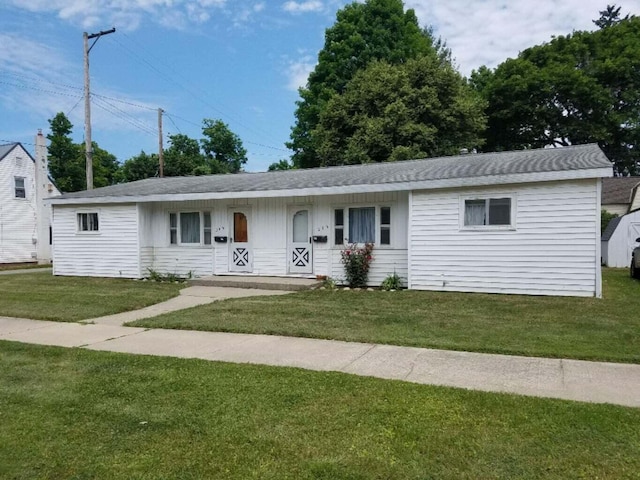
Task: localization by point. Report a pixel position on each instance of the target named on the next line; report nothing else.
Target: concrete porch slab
(291, 284)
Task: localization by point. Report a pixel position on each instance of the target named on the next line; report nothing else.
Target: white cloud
(126, 14)
(298, 72)
(303, 7)
(488, 32)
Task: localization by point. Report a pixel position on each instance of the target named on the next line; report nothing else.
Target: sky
(240, 61)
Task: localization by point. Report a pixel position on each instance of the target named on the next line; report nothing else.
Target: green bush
(392, 282)
(356, 261)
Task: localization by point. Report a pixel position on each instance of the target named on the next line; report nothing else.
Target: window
(88, 222)
(339, 226)
(173, 228)
(207, 227)
(385, 226)
(190, 228)
(363, 224)
(21, 191)
(487, 211)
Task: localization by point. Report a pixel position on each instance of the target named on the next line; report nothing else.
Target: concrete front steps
(291, 284)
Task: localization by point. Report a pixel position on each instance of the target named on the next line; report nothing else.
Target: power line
(121, 114)
(195, 92)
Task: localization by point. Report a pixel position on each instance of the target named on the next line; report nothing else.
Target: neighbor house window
(190, 228)
(21, 191)
(363, 224)
(487, 211)
(88, 222)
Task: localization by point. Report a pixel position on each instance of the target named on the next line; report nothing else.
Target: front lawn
(586, 328)
(42, 296)
(74, 413)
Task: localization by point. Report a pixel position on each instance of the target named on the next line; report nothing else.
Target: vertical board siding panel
(112, 252)
(551, 251)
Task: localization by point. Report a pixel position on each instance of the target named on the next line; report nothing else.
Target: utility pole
(160, 149)
(87, 103)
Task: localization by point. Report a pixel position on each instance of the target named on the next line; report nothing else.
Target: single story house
(620, 195)
(25, 220)
(619, 239)
(512, 222)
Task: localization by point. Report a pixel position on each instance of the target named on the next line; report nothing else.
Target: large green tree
(578, 88)
(183, 157)
(397, 112)
(140, 167)
(67, 163)
(363, 33)
(222, 148)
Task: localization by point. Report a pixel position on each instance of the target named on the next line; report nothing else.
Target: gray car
(635, 261)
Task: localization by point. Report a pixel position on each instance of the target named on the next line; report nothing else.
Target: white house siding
(113, 251)
(268, 232)
(553, 249)
(616, 252)
(18, 229)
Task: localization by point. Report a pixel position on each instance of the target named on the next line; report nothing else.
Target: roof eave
(348, 189)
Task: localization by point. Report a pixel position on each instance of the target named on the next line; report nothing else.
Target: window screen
(362, 225)
(190, 227)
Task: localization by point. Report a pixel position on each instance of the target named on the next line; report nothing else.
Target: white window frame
(510, 195)
(377, 226)
(23, 188)
(179, 243)
(79, 230)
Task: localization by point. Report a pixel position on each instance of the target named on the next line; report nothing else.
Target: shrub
(392, 282)
(156, 276)
(356, 261)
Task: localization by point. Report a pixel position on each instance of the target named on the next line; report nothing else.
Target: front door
(240, 254)
(299, 240)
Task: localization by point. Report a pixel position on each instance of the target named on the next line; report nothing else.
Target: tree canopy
(363, 33)
(219, 151)
(67, 163)
(398, 112)
(578, 88)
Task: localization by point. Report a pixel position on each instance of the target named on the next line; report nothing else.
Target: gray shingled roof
(461, 166)
(611, 227)
(5, 149)
(618, 189)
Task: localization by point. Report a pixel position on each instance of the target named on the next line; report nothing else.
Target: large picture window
(190, 228)
(488, 212)
(362, 225)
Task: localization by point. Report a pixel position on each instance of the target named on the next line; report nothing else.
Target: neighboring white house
(620, 195)
(512, 222)
(619, 239)
(25, 220)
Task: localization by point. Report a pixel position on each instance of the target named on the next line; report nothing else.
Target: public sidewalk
(542, 377)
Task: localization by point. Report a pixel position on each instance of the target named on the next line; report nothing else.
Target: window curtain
(362, 225)
(474, 211)
(301, 227)
(190, 227)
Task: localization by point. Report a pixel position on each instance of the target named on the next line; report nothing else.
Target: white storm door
(299, 249)
(240, 254)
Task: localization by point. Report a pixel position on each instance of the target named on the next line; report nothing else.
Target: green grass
(40, 295)
(585, 328)
(73, 413)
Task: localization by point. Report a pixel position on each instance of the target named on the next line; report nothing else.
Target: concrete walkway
(189, 297)
(542, 377)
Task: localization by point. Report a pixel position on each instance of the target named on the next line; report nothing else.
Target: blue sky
(237, 60)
